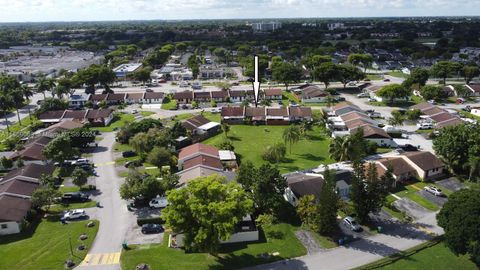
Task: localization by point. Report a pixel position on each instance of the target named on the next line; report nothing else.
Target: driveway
(411, 208)
(115, 220)
(440, 201)
(451, 184)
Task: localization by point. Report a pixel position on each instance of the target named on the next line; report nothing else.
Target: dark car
(386, 80)
(151, 228)
(128, 154)
(409, 148)
(75, 197)
(133, 163)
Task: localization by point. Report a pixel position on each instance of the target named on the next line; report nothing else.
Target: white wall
(383, 142)
(313, 100)
(11, 228)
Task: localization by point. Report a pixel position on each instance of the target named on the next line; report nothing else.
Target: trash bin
(125, 245)
(340, 241)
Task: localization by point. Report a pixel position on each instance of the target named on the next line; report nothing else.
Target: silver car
(434, 190)
(352, 224)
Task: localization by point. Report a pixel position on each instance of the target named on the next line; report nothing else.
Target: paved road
(114, 218)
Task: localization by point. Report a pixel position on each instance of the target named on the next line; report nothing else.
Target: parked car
(467, 108)
(149, 90)
(133, 163)
(409, 148)
(434, 190)
(386, 80)
(352, 224)
(74, 214)
(158, 202)
(151, 228)
(424, 126)
(431, 101)
(363, 95)
(126, 154)
(71, 197)
(372, 100)
(374, 115)
(81, 162)
(134, 111)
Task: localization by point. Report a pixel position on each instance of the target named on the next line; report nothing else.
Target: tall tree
(348, 73)
(44, 85)
(392, 92)
(44, 197)
(459, 219)
(60, 149)
(470, 72)
(286, 73)
(328, 204)
(206, 212)
(79, 177)
(444, 69)
(308, 211)
(291, 135)
(27, 94)
(326, 73)
(418, 76)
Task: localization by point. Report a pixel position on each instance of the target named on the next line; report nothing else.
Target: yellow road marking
(415, 187)
(101, 259)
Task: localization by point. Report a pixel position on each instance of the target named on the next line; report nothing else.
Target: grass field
(251, 141)
(118, 121)
(46, 246)
(231, 256)
(398, 74)
(22, 130)
(437, 257)
(410, 191)
(171, 105)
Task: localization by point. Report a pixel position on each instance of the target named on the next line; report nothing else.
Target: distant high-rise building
(266, 26)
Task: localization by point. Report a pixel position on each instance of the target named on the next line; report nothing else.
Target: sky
(105, 10)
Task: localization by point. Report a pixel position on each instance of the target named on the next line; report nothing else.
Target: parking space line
(415, 187)
(101, 259)
(395, 196)
(116, 258)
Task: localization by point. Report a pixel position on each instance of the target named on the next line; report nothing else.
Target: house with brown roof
(237, 95)
(134, 98)
(302, 184)
(219, 96)
(233, 115)
(184, 97)
(256, 115)
(16, 189)
(201, 128)
(60, 127)
(298, 114)
(32, 151)
(75, 115)
(195, 150)
(201, 96)
(272, 94)
(401, 170)
(153, 98)
(97, 98)
(474, 88)
(115, 98)
(50, 117)
(426, 164)
(376, 135)
(277, 116)
(311, 94)
(99, 117)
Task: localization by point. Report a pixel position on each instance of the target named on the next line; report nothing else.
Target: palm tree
(18, 98)
(291, 135)
(43, 85)
(63, 87)
(225, 128)
(305, 126)
(339, 148)
(6, 103)
(27, 94)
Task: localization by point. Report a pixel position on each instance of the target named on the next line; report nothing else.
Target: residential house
(228, 159)
(201, 96)
(376, 135)
(474, 88)
(55, 129)
(184, 97)
(51, 117)
(32, 151)
(233, 115)
(134, 98)
(201, 128)
(78, 100)
(273, 94)
(237, 95)
(97, 98)
(219, 96)
(115, 99)
(255, 115)
(311, 94)
(277, 116)
(74, 115)
(302, 184)
(298, 114)
(401, 170)
(427, 165)
(153, 98)
(100, 117)
(16, 189)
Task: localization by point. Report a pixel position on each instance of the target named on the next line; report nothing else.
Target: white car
(363, 95)
(80, 162)
(352, 224)
(425, 125)
(434, 190)
(158, 202)
(74, 214)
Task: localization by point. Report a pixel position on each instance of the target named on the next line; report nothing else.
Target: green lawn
(232, 256)
(146, 113)
(69, 206)
(409, 191)
(171, 105)
(46, 246)
(288, 97)
(374, 77)
(16, 128)
(119, 120)
(437, 257)
(398, 74)
(251, 141)
(118, 147)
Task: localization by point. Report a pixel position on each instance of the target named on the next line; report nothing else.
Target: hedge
(156, 220)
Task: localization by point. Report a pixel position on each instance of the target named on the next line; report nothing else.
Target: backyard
(119, 120)
(251, 141)
(280, 239)
(46, 245)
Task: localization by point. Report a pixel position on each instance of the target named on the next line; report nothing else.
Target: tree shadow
(312, 157)
(372, 247)
(399, 229)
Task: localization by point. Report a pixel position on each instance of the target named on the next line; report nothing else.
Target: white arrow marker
(256, 83)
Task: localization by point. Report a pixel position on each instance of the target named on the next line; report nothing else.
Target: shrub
(275, 153)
